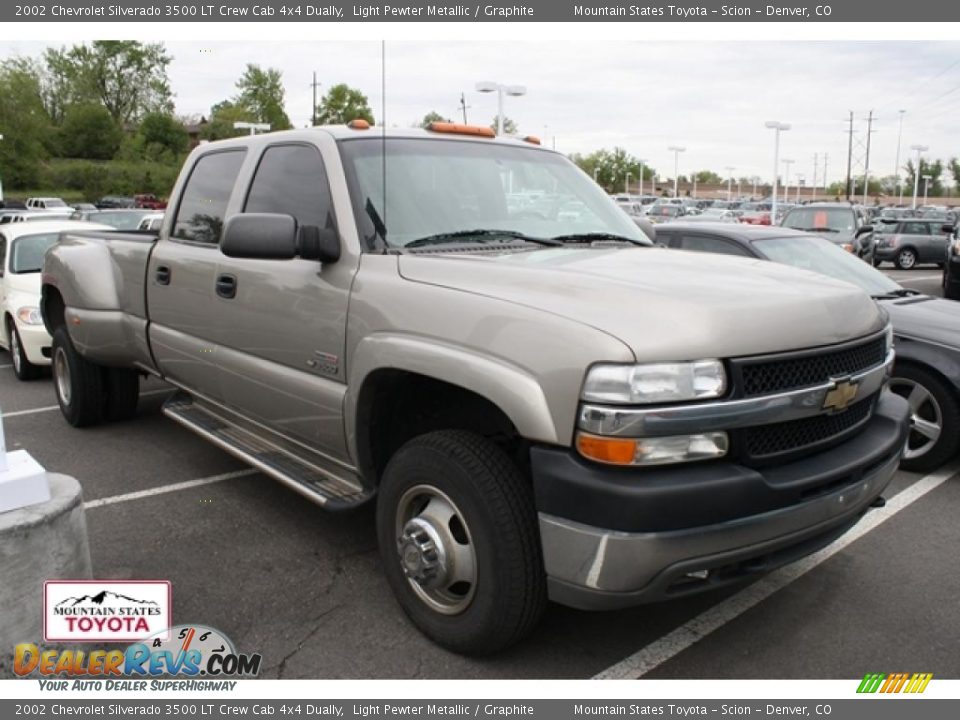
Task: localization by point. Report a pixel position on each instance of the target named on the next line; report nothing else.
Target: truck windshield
(424, 188)
(26, 254)
(839, 220)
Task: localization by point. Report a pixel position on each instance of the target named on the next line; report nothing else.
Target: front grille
(773, 375)
(767, 441)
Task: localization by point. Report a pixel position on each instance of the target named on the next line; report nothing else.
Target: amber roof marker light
(358, 124)
(460, 129)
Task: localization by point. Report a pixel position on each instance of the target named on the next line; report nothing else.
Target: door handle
(163, 275)
(226, 286)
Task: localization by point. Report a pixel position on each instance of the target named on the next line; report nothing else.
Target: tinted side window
(291, 180)
(703, 243)
(205, 197)
(915, 228)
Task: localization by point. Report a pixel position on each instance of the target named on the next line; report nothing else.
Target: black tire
(945, 397)
(122, 388)
(84, 380)
(875, 262)
(906, 259)
(22, 367)
(951, 291)
(496, 504)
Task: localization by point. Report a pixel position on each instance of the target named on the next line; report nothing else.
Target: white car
(22, 247)
(151, 222)
(47, 204)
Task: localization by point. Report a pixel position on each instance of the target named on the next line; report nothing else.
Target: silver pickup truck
(469, 330)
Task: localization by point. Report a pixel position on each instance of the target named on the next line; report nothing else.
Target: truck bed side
(94, 284)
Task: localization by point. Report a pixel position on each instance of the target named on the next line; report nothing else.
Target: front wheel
(77, 382)
(906, 259)
(22, 367)
(459, 542)
(934, 418)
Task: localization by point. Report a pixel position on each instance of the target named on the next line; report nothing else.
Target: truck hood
(664, 304)
(926, 318)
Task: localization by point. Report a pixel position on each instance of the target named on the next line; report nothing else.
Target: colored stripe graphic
(894, 683)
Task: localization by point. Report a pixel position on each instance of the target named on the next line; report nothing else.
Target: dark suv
(840, 223)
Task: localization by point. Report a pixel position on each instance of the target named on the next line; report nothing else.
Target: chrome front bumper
(596, 568)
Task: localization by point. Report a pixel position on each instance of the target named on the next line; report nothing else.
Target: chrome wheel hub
(422, 554)
(15, 350)
(435, 549)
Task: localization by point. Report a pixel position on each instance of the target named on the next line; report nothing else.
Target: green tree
(88, 131)
(610, 168)
(161, 134)
(953, 165)
(24, 124)
(433, 116)
(708, 177)
(342, 104)
(127, 77)
(262, 93)
(509, 126)
(222, 117)
(933, 169)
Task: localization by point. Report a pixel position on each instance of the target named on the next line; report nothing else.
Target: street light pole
(777, 128)
(755, 181)
(800, 178)
(626, 184)
(729, 170)
(926, 187)
(511, 90)
(252, 127)
(642, 161)
(897, 173)
(916, 171)
(676, 150)
(786, 180)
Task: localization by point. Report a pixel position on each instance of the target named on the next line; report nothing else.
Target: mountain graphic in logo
(102, 598)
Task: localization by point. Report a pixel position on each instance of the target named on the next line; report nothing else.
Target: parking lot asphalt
(304, 587)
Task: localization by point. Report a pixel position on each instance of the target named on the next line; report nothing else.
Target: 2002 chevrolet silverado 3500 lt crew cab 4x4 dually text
(541, 406)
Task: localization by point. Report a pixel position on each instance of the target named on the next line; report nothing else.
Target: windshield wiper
(589, 236)
(481, 235)
(818, 229)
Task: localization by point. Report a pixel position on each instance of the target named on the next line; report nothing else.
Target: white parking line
(696, 629)
(162, 490)
(3, 367)
(920, 277)
(48, 408)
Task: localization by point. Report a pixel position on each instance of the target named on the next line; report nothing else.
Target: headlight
(656, 383)
(888, 338)
(30, 316)
(653, 450)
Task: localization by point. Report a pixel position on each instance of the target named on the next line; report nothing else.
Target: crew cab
(539, 406)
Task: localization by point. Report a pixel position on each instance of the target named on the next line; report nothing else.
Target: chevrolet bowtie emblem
(842, 394)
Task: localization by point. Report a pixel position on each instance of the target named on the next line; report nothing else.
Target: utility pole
(314, 85)
(463, 107)
(825, 156)
(897, 173)
(813, 188)
(849, 154)
(866, 163)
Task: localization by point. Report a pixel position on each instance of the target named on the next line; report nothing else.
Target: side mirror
(864, 229)
(317, 243)
(261, 236)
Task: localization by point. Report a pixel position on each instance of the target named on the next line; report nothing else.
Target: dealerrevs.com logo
(104, 610)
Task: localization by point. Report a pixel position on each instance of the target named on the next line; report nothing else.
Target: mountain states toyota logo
(104, 610)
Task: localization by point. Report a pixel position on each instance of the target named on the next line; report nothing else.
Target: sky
(710, 97)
